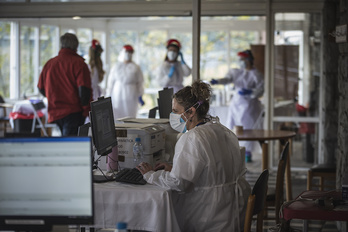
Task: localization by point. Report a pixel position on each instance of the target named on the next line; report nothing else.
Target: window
(49, 43)
(84, 36)
(5, 43)
(28, 60)
(296, 82)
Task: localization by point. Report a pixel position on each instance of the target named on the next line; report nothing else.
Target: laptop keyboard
(130, 175)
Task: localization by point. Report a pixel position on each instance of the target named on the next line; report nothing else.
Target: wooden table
(307, 207)
(264, 135)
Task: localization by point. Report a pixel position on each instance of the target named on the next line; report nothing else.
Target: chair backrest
(152, 112)
(36, 107)
(260, 191)
(281, 174)
(2, 99)
(256, 202)
(285, 152)
(39, 105)
(83, 130)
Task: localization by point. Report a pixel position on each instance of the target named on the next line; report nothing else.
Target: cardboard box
(152, 138)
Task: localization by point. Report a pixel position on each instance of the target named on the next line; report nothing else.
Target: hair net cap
(246, 54)
(173, 42)
(128, 48)
(95, 43)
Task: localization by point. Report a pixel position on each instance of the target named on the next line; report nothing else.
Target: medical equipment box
(152, 138)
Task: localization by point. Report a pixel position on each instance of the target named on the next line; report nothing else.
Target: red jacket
(60, 80)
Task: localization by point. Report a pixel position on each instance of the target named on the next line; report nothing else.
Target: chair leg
(259, 224)
(321, 183)
(277, 208)
(309, 179)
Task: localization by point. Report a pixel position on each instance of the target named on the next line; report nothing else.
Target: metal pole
(196, 42)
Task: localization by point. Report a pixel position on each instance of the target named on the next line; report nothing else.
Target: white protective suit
(125, 86)
(245, 110)
(209, 189)
(176, 81)
(97, 91)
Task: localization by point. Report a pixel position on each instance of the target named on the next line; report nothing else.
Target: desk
(262, 136)
(143, 207)
(305, 207)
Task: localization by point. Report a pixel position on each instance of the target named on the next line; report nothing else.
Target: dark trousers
(69, 125)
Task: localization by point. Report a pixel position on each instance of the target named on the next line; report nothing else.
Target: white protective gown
(245, 110)
(209, 189)
(97, 91)
(176, 81)
(125, 86)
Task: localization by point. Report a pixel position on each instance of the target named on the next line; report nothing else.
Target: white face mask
(242, 64)
(128, 56)
(177, 123)
(172, 55)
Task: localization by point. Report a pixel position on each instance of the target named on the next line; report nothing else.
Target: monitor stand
(100, 178)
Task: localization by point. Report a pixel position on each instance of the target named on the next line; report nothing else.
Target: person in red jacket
(65, 81)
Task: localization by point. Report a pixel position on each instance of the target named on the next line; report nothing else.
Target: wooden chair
(325, 173)
(275, 197)
(256, 202)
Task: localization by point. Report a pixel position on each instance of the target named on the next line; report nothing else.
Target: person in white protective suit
(171, 73)
(95, 65)
(125, 85)
(245, 107)
(207, 176)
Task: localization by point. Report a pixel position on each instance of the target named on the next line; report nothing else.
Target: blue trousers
(69, 125)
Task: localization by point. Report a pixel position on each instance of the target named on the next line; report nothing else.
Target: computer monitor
(165, 102)
(103, 125)
(45, 181)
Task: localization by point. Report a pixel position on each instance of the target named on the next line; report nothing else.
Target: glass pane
(297, 64)
(100, 36)
(27, 60)
(67, 30)
(5, 43)
(49, 43)
(84, 35)
(304, 144)
(214, 63)
(240, 40)
(152, 52)
(117, 40)
(186, 48)
(223, 56)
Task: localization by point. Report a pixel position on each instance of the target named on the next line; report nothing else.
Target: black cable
(113, 171)
(95, 166)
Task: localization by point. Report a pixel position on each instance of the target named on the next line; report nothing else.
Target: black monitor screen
(44, 182)
(103, 125)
